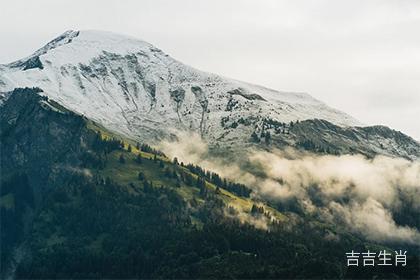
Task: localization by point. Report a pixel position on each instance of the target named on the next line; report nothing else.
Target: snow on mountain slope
(132, 87)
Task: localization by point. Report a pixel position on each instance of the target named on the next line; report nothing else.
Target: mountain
(86, 194)
(133, 88)
(79, 202)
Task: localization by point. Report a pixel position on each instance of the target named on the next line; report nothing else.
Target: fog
(359, 193)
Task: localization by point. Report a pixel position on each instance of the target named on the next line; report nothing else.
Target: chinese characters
(383, 258)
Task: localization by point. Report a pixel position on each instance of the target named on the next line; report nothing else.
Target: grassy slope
(50, 232)
(127, 174)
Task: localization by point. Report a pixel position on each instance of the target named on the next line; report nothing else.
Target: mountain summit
(80, 199)
(117, 79)
(133, 88)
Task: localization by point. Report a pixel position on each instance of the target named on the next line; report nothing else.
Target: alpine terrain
(133, 88)
(88, 190)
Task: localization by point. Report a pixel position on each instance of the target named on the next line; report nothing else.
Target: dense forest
(90, 204)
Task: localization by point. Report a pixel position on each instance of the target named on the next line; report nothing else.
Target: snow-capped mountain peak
(134, 88)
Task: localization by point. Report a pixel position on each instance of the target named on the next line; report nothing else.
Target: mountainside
(279, 185)
(78, 202)
(134, 88)
(324, 137)
(131, 87)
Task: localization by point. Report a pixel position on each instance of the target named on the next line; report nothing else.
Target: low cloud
(371, 219)
(359, 193)
(258, 221)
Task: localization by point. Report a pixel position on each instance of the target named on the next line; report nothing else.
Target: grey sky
(360, 56)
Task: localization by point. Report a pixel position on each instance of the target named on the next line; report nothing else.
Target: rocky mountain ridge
(134, 89)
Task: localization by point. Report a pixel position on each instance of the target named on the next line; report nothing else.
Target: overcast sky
(362, 57)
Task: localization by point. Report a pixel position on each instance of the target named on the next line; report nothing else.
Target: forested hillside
(78, 201)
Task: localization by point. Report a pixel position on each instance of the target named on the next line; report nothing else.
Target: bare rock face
(134, 89)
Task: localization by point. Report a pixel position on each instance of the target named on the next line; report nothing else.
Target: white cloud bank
(352, 190)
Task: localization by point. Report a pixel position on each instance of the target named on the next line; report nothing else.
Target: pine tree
(141, 176)
(257, 210)
(188, 179)
(203, 190)
(175, 160)
(267, 138)
(147, 186)
(255, 137)
(139, 159)
(167, 172)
